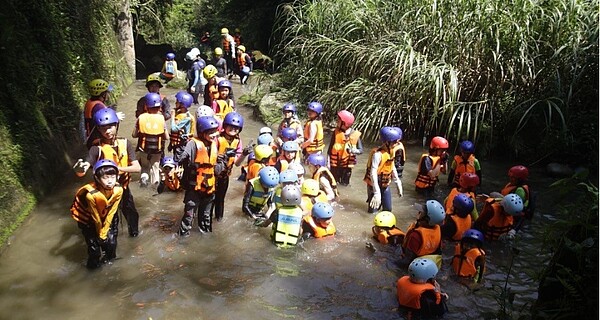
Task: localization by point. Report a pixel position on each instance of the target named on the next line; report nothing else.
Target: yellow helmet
(209, 71)
(97, 86)
(218, 51)
(241, 47)
(310, 187)
(262, 152)
(224, 31)
(385, 219)
(153, 77)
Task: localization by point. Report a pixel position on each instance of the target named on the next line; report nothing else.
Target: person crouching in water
(424, 237)
(319, 223)
(170, 176)
(317, 165)
(469, 258)
(420, 292)
(95, 210)
(258, 196)
(385, 230)
(287, 219)
(458, 217)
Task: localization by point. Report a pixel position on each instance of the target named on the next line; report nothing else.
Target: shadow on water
(235, 272)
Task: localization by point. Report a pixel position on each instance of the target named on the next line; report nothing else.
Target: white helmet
(205, 111)
(265, 130)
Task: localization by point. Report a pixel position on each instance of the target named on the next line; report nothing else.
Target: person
(313, 130)
(424, 237)
(223, 105)
(458, 218)
(469, 257)
(464, 162)
(345, 145)
(121, 152)
(228, 45)
(419, 292)
(311, 194)
(384, 229)
(319, 223)
(205, 42)
(183, 124)
(151, 130)
(258, 195)
(99, 94)
(286, 220)
(153, 84)
(518, 185)
(290, 121)
(467, 183)
(287, 177)
(400, 155)
(95, 210)
(262, 154)
(237, 37)
(169, 68)
(211, 89)
(219, 63)
(289, 155)
(381, 172)
(244, 64)
(317, 165)
(170, 177)
(496, 220)
(299, 169)
(265, 137)
(194, 74)
(431, 165)
(198, 160)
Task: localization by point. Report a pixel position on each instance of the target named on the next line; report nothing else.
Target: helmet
(170, 56)
(297, 167)
(234, 119)
(289, 133)
(193, 54)
(310, 187)
(152, 100)
(288, 176)
(317, 159)
(316, 107)
(224, 31)
(468, 180)
(265, 130)
(390, 134)
(420, 270)
(209, 71)
(289, 107)
(251, 156)
(290, 196)
(218, 51)
(205, 110)
(438, 143)
(290, 146)
(206, 123)
(184, 98)
(224, 84)
(322, 210)
(467, 146)
(262, 152)
(385, 219)
(435, 212)
(105, 116)
(153, 77)
(346, 116)
(400, 131)
(104, 163)
(168, 162)
(473, 234)
(97, 86)
(242, 48)
(519, 172)
(513, 204)
(264, 139)
(269, 177)
(463, 204)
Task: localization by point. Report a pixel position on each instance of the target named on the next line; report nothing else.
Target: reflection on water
(235, 272)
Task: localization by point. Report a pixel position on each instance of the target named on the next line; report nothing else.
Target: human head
(264, 139)
(265, 130)
(290, 196)
(317, 160)
(463, 205)
(421, 270)
(390, 135)
(206, 127)
(242, 48)
(290, 149)
(209, 71)
(310, 187)
(322, 212)
(432, 213)
(205, 111)
(299, 169)
(289, 134)
(473, 236)
(467, 147)
(153, 83)
(288, 110)
(107, 123)
(438, 144)
(235, 120)
(468, 180)
(218, 51)
(519, 173)
(105, 173)
(314, 109)
(384, 219)
(153, 100)
(269, 177)
(99, 87)
(167, 163)
(183, 100)
(262, 152)
(512, 204)
(224, 31)
(170, 56)
(224, 88)
(345, 119)
(288, 177)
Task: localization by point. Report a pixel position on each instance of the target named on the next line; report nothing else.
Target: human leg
(130, 212)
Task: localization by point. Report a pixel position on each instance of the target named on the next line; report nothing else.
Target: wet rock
(559, 170)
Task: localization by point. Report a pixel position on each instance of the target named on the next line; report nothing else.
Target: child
(198, 160)
(311, 194)
(458, 217)
(385, 230)
(223, 105)
(228, 45)
(299, 169)
(424, 237)
(518, 185)
(170, 175)
(469, 257)
(169, 69)
(400, 155)
(94, 208)
(419, 292)
(194, 73)
(431, 165)
(151, 131)
(244, 64)
(219, 63)
(99, 93)
(287, 177)
(467, 183)
(320, 172)
(381, 171)
(290, 120)
(211, 89)
(265, 137)
(313, 131)
(319, 223)
(344, 147)
(258, 196)
(285, 135)
(262, 155)
(182, 122)
(289, 155)
(153, 84)
(496, 220)
(287, 219)
(463, 163)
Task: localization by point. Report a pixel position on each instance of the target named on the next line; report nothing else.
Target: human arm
(312, 133)
(376, 199)
(397, 181)
(326, 186)
(136, 129)
(246, 201)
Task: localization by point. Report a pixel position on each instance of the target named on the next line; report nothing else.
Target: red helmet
(438, 143)
(346, 116)
(468, 180)
(519, 172)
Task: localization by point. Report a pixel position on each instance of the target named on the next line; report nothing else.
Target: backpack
(169, 67)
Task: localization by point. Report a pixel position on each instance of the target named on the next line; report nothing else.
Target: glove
(354, 151)
(81, 166)
(230, 153)
(400, 189)
(444, 157)
(511, 234)
(375, 201)
(192, 89)
(219, 168)
(259, 221)
(120, 115)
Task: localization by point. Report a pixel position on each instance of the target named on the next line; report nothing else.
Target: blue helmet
(105, 116)
(473, 234)
(153, 100)
(264, 139)
(467, 146)
(512, 204)
(205, 123)
(185, 99)
(289, 107)
(435, 212)
(269, 176)
(290, 146)
(389, 134)
(288, 176)
(168, 162)
(224, 84)
(401, 132)
(421, 270)
(322, 210)
(289, 133)
(104, 163)
(317, 159)
(463, 204)
(234, 119)
(316, 107)
(170, 56)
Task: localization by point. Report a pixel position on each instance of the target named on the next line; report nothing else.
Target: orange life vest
(225, 145)
(318, 231)
(318, 144)
(386, 236)
(409, 293)
(151, 128)
(462, 225)
(340, 155)
(106, 208)
(175, 137)
(500, 223)
(385, 169)
(205, 161)
(463, 166)
(424, 181)
(432, 239)
(88, 117)
(464, 264)
(172, 180)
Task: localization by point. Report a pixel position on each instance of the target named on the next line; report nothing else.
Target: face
(439, 152)
(223, 93)
(166, 169)
(232, 130)
(341, 124)
(287, 114)
(209, 135)
(289, 155)
(311, 114)
(154, 87)
(108, 181)
(323, 223)
(109, 131)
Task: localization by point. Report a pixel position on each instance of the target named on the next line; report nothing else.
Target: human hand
(375, 201)
(444, 156)
(370, 246)
(120, 115)
(259, 221)
(192, 89)
(81, 166)
(230, 153)
(354, 151)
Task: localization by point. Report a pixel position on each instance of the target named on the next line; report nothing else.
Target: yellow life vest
(286, 229)
(151, 128)
(318, 144)
(118, 154)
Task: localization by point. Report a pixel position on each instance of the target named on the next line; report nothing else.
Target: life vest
(225, 145)
(449, 202)
(462, 225)
(340, 155)
(151, 130)
(463, 166)
(106, 208)
(237, 39)
(409, 293)
(399, 146)
(318, 231)
(88, 117)
(205, 161)
(253, 169)
(176, 135)
(388, 236)
(432, 240)
(384, 170)
(225, 43)
(423, 180)
(293, 123)
(511, 188)
(329, 176)
(318, 144)
(500, 223)
(223, 107)
(259, 196)
(172, 179)
(464, 264)
(118, 154)
(170, 68)
(309, 201)
(241, 60)
(286, 229)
